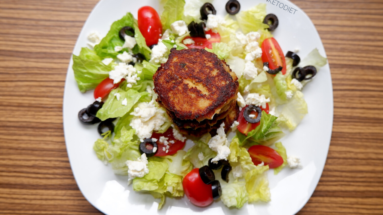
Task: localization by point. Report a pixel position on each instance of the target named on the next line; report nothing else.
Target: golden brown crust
(194, 84)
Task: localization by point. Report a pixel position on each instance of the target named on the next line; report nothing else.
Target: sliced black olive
(216, 189)
(149, 147)
(107, 124)
(93, 108)
(126, 31)
(298, 74)
(233, 7)
(272, 71)
(197, 29)
(272, 21)
(140, 57)
(225, 172)
(216, 165)
(295, 57)
(87, 118)
(207, 9)
(206, 174)
(248, 110)
(309, 72)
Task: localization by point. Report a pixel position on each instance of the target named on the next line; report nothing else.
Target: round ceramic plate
(290, 189)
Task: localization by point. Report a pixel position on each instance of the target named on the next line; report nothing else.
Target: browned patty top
(194, 84)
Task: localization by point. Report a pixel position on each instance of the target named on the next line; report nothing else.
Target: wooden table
(36, 42)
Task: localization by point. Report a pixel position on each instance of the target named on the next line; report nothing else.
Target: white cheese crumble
(117, 48)
(125, 57)
(265, 68)
(242, 39)
(99, 99)
(107, 61)
(256, 99)
(234, 125)
(154, 139)
(253, 37)
(130, 42)
(293, 162)
(252, 115)
(297, 84)
(272, 112)
(208, 36)
(158, 53)
(297, 49)
(166, 35)
(240, 100)
(214, 21)
(219, 144)
(188, 41)
(147, 118)
(94, 38)
(289, 94)
(154, 149)
(124, 102)
(250, 71)
(117, 95)
(123, 71)
(178, 135)
(137, 168)
(179, 27)
(255, 54)
(200, 156)
(237, 171)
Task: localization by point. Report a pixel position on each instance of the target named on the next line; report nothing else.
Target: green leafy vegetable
(282, 152)
(234, 194)
(257, 185)
(177, 164)
(173, 11)
(294, 111)
(222, 50)
(314, 58)
(252, 19)
(200, 146)
(191, 10)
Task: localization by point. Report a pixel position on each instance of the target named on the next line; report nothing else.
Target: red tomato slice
(103, 89)
(273, 54)
(244, 126)
(173, 147)
(202, 43)
(149, 23)
(267, 155)
(198, 193)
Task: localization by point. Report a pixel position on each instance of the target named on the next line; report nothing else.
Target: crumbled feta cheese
(261, 164)
(178, 135)
(253, 37)
(166, 35)
(265, 68)
(254, 55)
(99, 99)
(250, 47)
(272, 112)
(289, 94)
(251, 115)
(214, 21)
(188, 41)
(154, 139)
(164, 140)
(117, 95)
(107, 61)
(122, 71)
(154, 149)
(172, 141)
(240, 100)
(147, 118)
(237, 171)
(293, 162)
(125, 57)
(250, 71)
(234, 125)
(219, 144)
(137, 168)
(297, 84)
(130, 42)
(208, 36)
(124, 102)
(117, 48)
(94, 37)
(256, 99)
(175, 46)
(129, 85)
(158, 53)
(132, 79)
(241, 38)
(179, 27)
(297, 49)
(200, 156)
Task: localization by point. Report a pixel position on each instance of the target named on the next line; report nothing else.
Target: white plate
(290, 189)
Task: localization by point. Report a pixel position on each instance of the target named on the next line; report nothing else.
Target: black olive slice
(272, 71)
(216, 189)
(233, 7)
(87, 118)
(309, 72)
(107, 124)
(126, 31)
(197, 29)
(207, 9)
(272, 21)
(93, 108)
(247, 113)
(296, 59)
(206, 174)
(298, 74)
(140, 57)
(225, 172)
(215, 165)
(149, 147)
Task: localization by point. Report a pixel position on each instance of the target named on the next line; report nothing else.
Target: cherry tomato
(202, 43)
(149, 23)
(244, 126)
(103, 89)
(173, 147)
(267, 155)
(273, 54)
(199, 193)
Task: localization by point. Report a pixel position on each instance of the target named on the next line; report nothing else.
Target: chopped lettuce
(227, 29)
(281, 86)
(234, 194)
(192, 10)
(314, 58)
(200, 146)
(173, 11)
(252, 19)
(147, 70)
(282, 152)
(237, 65)
(293, 112)
(257, 185)
(222, 50)
(89, 70)
(178, 165)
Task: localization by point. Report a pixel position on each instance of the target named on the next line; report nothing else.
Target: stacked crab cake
(198, 91)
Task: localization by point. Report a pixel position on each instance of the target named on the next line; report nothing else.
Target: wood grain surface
(36, 41)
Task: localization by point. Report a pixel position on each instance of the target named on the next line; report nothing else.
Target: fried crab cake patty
(194, 84)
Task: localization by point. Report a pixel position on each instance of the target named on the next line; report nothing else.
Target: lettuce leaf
(237, 65)
(252, 19)
(192, 10)
(282, 152)
(200, 146)
(151, 181)
(177, 164)
(281, 86)
(266, 133)
(173, 11)
(314, 58)
(89, 70)
(257, 185)
(234, 194)
(222, 50)
(293, 112)
(228, 29)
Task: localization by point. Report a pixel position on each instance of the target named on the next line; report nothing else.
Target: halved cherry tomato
(273, 54)
(149, 23)
(103, 89)
(244, 126)
(202, 43)
(173, 147)
(267, 155)
(199, 193)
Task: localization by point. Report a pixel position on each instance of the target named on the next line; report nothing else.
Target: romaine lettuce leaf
(237, 65)
(252, 19)
(281, 86)
(227, 29)
(200, 146)
(192, 10)
(222, 50)
(234, 194)
(178, 165)
(89, 70)
(173, 11)
(257, 185)
(293, 112)
(282, 152)
(151, 181)
(314, 58)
